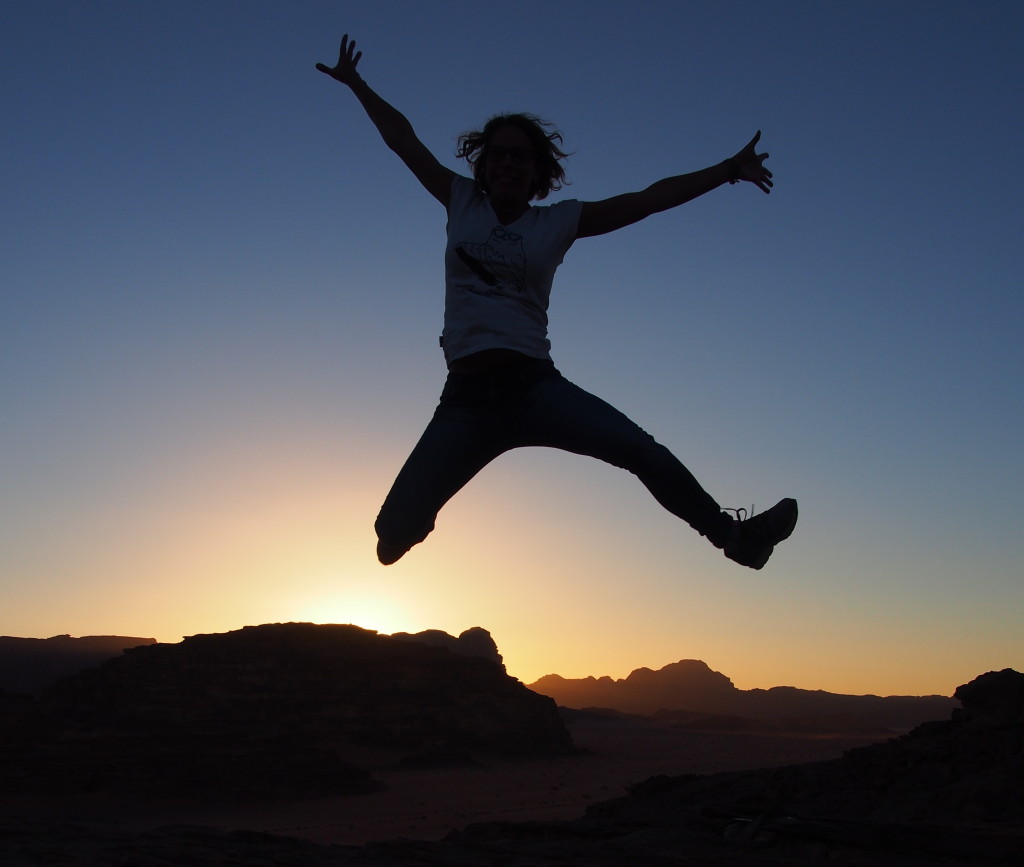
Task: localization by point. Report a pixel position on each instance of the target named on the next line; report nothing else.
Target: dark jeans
(480, 416)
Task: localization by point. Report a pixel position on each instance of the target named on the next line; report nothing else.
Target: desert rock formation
(273, 711)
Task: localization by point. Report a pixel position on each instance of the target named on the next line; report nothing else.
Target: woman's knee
(398, 531)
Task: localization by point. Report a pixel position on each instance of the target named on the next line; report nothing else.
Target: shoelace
(741, 509)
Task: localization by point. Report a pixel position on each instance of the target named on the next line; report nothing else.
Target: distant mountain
(279, 710)
(27, 665)
(695, 694)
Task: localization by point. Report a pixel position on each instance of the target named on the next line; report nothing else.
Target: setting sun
(356, 603)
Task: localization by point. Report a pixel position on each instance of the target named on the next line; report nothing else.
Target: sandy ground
(428, 803)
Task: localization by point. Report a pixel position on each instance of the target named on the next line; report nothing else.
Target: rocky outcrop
(473, 642)
(28, 665)
(280, 710)
(690, 689)
(992, 701)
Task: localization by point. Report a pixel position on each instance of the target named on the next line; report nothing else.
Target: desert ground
(426, 803)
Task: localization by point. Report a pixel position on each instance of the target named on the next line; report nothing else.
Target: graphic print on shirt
(500, 262)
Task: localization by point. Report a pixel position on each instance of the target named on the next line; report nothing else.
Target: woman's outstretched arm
(393, 126)
(597, 218)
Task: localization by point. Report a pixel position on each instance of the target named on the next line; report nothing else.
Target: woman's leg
(457, 443)
(562, 415)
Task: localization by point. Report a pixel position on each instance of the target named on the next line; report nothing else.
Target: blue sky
(222, 296)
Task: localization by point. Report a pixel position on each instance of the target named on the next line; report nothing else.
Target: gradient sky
(221, 297)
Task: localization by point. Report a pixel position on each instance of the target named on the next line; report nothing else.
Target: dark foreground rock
(948, 793)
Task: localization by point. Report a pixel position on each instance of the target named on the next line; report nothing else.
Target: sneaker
(754, 539)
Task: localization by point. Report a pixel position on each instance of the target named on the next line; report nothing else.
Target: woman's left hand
(750, 165)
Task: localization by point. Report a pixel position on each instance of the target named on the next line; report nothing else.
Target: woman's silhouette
(503, 390)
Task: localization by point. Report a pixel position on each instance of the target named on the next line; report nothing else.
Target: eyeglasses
(519, 156)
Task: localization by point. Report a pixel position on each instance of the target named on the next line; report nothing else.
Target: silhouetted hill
(269, 711)
(948, 793)
(28, 665)
(694, 693)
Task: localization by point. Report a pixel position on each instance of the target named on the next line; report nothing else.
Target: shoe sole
(792, 524)
(788, 532)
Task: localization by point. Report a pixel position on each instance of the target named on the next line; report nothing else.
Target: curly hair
(472, 148)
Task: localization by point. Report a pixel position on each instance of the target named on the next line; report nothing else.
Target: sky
(221, 297)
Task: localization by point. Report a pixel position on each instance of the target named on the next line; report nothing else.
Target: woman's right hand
(750, 166)
(348, 59)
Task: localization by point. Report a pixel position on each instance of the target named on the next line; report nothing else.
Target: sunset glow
(222, 295)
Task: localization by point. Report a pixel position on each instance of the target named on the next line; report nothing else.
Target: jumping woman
(503, 390)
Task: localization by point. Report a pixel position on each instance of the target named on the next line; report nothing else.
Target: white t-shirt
(498, 278)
